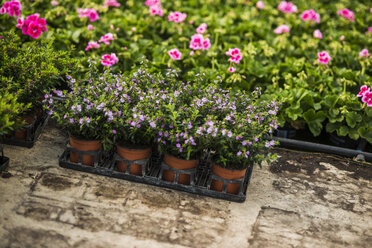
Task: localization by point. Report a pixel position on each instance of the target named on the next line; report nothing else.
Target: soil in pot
(84, 145)
(133, 154)
(21, 134)
(179, 164)
(232, 188)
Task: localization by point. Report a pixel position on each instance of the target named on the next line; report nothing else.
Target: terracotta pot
(21, 134)
(232, 188)
(132, 154)
(179, 164)
(84, 145)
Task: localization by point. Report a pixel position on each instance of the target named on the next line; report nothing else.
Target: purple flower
(114, 131)
(178, 145)
(71, 120)
(244, 143)
(239, 153)
(229, 134)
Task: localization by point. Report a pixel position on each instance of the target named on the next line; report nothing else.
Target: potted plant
(28, 70)
(84, 114)
(241, 137)
(10, 110)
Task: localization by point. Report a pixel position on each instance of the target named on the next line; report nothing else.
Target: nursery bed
(152, 175)
(33, 132)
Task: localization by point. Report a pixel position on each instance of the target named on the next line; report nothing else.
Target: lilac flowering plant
(240, 136)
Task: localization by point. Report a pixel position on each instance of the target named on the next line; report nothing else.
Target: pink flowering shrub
(13, 8)
(106, 38)
(346, 13)
(366, 95)
(287, 7)
(177, 17)
(89, 13)
(235, 55)
(260, 5)
(175, 54)
(109, 59)
(33, 25)
(323, 57)
(364, 53)
(202, 28)
(282, 29)
(112, 3)
(92, 44)
(199, 43)
(310, 15)
(317, 34)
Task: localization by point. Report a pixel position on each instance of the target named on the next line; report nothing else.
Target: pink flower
(346, 13)
(90, 27)
(317, 34)
(196, 42)
(177, 17)
(235, 55)
(342, 37)
(33, 25)
(370, 29)
(109, 60)
(113, 3)
(20, 22)
(231, 69)
(156, 10)
(90, 13)
(260, 5)
(363, 90)
(323, 57)
(12, 7)
(367, 98)
(287, 7)
(206, 44)
(310, 15)
(282, 29)
(364, 53)
(92, 44)
(54, 3)
(202, 28)
(175, 54)
(106, 38)
(152, 2)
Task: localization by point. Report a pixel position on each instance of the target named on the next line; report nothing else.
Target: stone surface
(303, 200)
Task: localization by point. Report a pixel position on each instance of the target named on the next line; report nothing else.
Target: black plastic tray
(152, 174)
(33, 132)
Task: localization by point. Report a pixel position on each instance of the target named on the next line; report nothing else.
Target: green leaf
(352, 118)
(314, 121)
(366, 133)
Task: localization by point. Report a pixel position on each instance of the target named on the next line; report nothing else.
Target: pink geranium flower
(202, 28)
(113, 3)
(109, 59)
(364, 53)
(235, 55)
(323, 57)
(177, 17)
(287, 7)
(92, 44)
(346, 13)
(106, 38)
(206, 44)
(90, 27)
(156, 10)
(282, 29)
(363, 90)
(152, 2)
(370, 29)
(260, 5)
(13, 8)
(33, 25)
(90, 13)
(317, 34)
(54, 3)
(310, 15)
(196, 42)
(367, 98)
(175, 54)
(231, 69)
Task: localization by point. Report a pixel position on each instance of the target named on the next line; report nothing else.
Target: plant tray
(152, 168)
(33, 132)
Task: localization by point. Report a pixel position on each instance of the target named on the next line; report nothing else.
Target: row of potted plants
(139, 111)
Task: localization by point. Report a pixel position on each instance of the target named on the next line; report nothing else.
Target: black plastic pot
(4, 161)
(342, 141)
